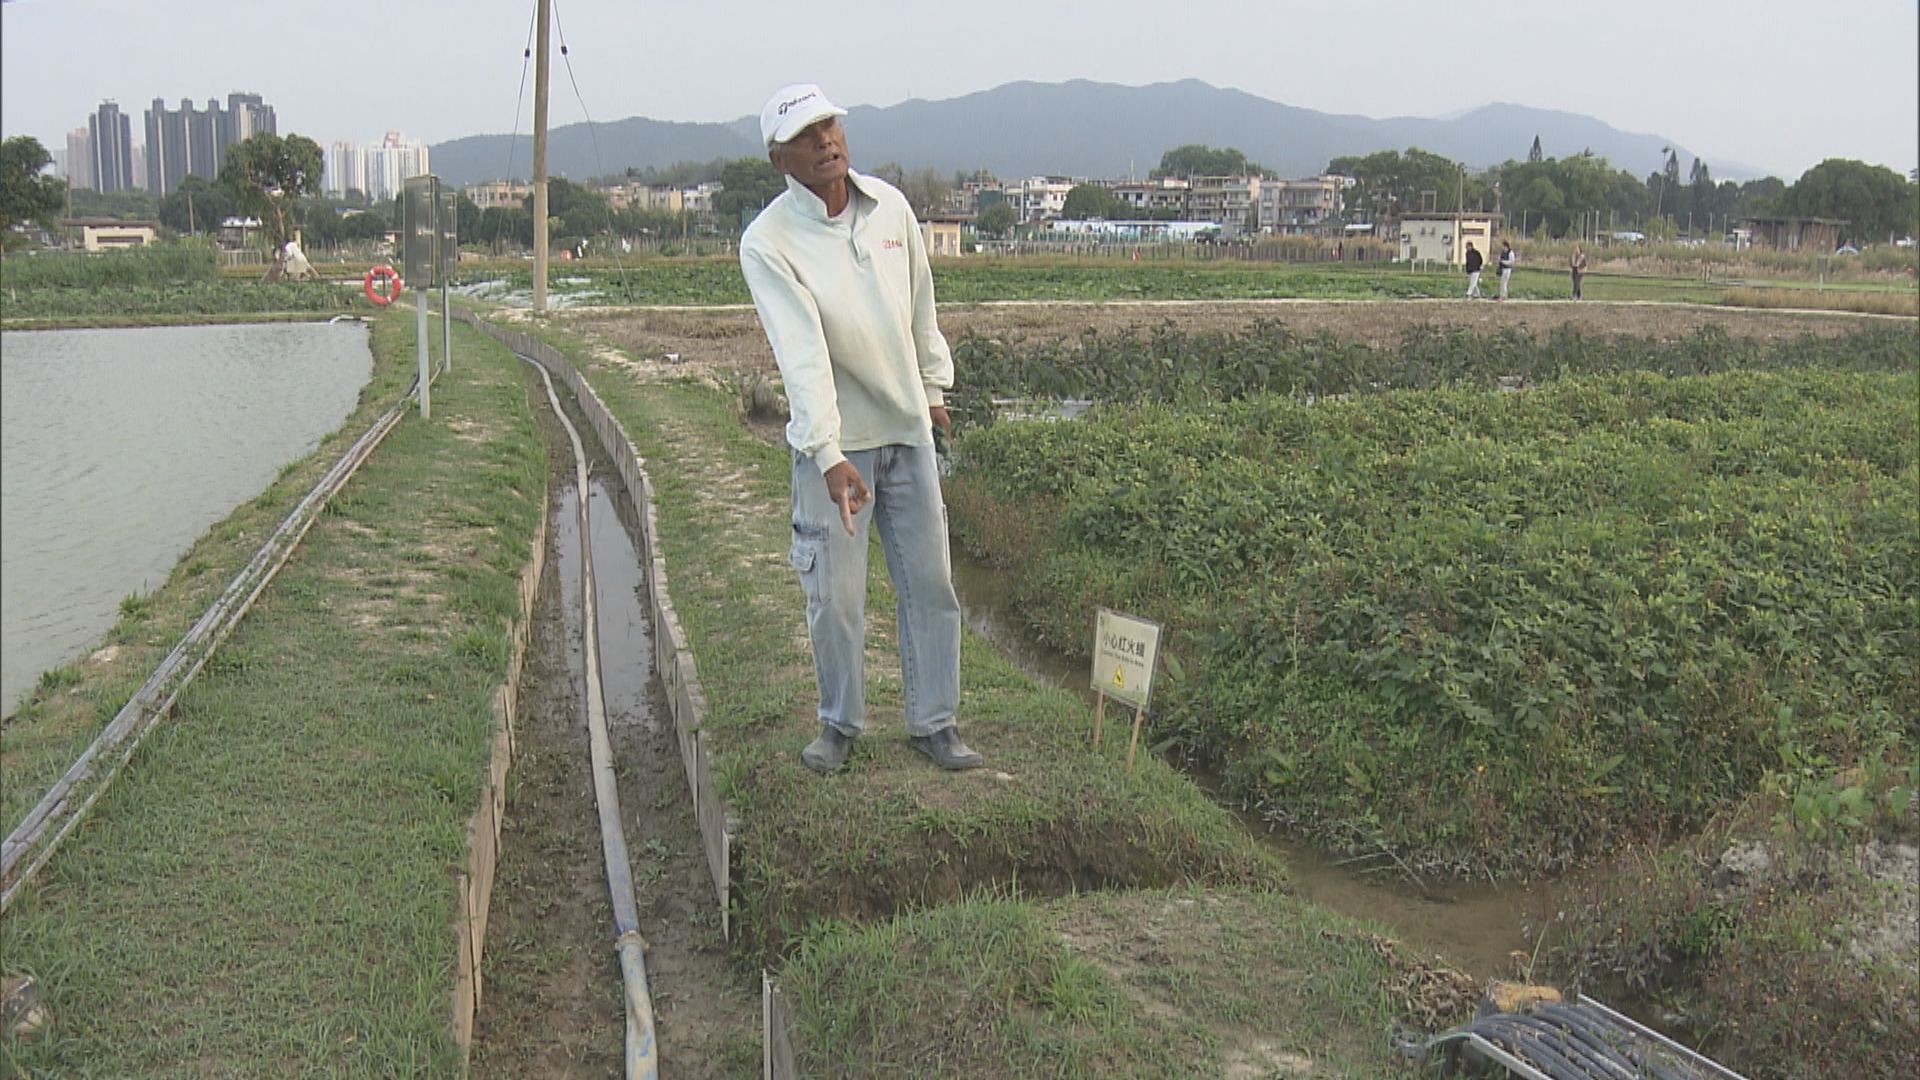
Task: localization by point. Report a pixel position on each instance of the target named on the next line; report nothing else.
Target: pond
(121, 447)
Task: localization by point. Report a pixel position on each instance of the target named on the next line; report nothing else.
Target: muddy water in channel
(552, 998)
(1474, 927)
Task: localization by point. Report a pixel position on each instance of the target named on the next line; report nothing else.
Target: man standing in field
(1474, 263)
(1506, 266)
(1578, 264)
(839, 275)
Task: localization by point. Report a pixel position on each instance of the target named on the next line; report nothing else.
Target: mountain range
(1082, 129)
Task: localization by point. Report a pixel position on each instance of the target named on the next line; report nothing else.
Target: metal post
(540, 161)
(420, 335)
(446, 326)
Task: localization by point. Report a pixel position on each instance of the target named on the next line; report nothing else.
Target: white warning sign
(1123, 654)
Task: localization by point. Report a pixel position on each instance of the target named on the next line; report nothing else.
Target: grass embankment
(153, 286)
(267, 889)
(969, 280)
(1055, 278)
(1491, 630)
(1790, 949)
(1867, 302)
(1144, 983)
(880, 870)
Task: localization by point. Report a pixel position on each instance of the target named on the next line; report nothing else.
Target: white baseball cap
(791, 109)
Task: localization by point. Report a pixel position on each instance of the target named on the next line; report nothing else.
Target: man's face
(815, 157)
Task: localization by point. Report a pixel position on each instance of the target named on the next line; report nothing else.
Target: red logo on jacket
(891, 244)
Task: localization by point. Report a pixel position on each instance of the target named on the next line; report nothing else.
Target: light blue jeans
(905, 482)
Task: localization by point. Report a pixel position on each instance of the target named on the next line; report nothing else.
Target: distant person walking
(1579, 266)
(1506, 266)
(1474, 263)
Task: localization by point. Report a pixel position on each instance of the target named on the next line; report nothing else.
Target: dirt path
(552, 1004)
(719, 340)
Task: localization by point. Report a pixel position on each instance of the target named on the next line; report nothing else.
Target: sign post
(449, 262)
(1124, 650)
(419, 204)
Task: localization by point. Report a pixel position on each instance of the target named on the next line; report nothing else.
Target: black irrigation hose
(1606, 1059)
(1590, 1030)
(1597, 1061)
(1533, 1045)
(1568, 1043)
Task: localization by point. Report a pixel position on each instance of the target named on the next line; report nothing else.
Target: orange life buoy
(386, 273)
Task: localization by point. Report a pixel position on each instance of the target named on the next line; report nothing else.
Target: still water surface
(119, 448)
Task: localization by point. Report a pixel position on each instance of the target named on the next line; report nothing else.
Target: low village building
(1162, 197)
(1443, 238)
(498, 194)
(1231, 202)
(1797, 233)
(941, 233)
(1301, 207)
(112, 234)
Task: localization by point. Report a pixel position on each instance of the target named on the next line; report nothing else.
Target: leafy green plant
(1495, 630)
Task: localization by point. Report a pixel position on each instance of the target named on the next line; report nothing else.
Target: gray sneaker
(828, 751)
(946, 749)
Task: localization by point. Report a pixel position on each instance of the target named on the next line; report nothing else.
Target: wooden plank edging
(474, 884)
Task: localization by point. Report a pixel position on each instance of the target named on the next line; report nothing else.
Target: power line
(526, 54)
(593, 135)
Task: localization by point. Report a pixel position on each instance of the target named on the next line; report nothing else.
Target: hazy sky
(1775, 84)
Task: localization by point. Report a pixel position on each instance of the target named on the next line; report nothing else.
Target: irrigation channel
(595, 735)
(1478, 927)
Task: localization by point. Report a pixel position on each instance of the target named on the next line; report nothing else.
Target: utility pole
(540, 160)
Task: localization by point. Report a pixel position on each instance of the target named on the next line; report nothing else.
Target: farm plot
(149, 285)
(1494, 631)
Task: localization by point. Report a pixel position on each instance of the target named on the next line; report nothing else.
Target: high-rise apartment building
(193, 142)
(247, 115)
(377, 170)
(110, 137)
(79, 158)
(345, 169)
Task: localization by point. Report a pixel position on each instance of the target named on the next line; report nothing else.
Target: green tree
(926, 190)
(1196, 159)
(131, 204)
(1087, 201)
(466, 219)
(749, 185)
(196, 206)
(25, 195)
(1534, 154)
(1390, 183)
(1759, 198)
(575, 209)
(1875, 200)
(268, 175)
(1703, 196)
(995, 220)
(504, 226)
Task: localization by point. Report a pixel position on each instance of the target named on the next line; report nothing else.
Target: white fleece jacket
(848, 307)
